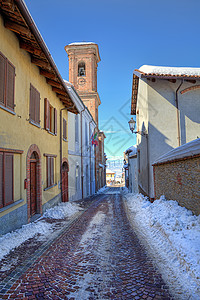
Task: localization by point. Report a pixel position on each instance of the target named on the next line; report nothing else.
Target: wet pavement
(97, 257)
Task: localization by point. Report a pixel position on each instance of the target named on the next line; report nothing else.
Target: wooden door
(33, 188)
(65, 185)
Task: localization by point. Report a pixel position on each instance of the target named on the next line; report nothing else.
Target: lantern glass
(132, 124)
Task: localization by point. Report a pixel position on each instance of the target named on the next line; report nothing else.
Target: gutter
(90, 162)
(81, 113)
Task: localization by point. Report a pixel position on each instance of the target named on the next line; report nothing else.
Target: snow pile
(15, 238)
(172, 235)
(103, 189)
(170, 70)
(62, 210)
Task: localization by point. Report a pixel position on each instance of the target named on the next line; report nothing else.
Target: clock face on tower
(81, 81)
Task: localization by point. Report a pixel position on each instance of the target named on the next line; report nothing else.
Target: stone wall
(179, 180)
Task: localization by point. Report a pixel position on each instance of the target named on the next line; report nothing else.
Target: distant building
(132, 169)
(110, 177)
(166, 103)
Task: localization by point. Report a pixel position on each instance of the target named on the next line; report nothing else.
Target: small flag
(94, 139)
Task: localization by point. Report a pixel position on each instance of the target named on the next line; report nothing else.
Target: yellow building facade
(33, 134)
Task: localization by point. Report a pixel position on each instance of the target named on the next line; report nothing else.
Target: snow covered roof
(187, 150)
(160, 72)
(101, 166)
(175, 71)
(81, 45)
(131, 150)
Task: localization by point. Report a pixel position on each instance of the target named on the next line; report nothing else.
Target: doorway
(65, 171)
(33, 184)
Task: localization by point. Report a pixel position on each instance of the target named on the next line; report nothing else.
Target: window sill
(50, 187)
(65, 140)
(11, 205)
(7, 109)
(34, 123)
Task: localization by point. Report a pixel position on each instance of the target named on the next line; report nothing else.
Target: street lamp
(132, 127)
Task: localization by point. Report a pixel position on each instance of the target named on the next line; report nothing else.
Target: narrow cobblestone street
(97, 257)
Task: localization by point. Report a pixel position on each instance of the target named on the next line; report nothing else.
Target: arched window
(81, 69)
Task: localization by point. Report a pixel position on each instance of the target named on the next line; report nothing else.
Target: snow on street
(171, 234)
(11, 240)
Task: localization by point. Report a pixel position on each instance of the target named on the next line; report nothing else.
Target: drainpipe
(82, 150)
(90, 162)
(177, 114)
(148, 166)
(61, 148)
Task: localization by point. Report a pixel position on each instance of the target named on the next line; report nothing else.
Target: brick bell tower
(83, 62)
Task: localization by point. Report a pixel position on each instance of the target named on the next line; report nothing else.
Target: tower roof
(86, 45)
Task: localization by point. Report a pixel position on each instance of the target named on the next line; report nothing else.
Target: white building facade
(80, 150)
(166, 102)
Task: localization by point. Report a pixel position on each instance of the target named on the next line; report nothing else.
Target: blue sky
(130, 33)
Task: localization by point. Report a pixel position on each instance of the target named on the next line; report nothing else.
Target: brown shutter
(48, 171)
(37, 107)
(10, 89)
(1, 180)
(52, 170)
(8, 187)
(2, 78)
(46, 114)
(55, 121)
(32, 104)
(64, 129)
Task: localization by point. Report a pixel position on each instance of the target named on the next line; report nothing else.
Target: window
(50, 171)
(81, 69)
(34, 109)
(64, 129)
(50, 117)
(7, 83)
(6, 179)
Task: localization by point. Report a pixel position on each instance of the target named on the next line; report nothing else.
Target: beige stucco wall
(180, 181)
(142, 117)
(16, 132)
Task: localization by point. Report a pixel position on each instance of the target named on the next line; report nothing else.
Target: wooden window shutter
(1, 180)
(52, 170)
(34, 109)
(37, 107)
(8, 171)
(2, 78)
(64, 129)
(10, 87)
(48, 171)
(46, 114)
(55, 121)
(32, 104)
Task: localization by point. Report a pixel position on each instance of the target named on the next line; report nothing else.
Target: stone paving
(97, 257)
